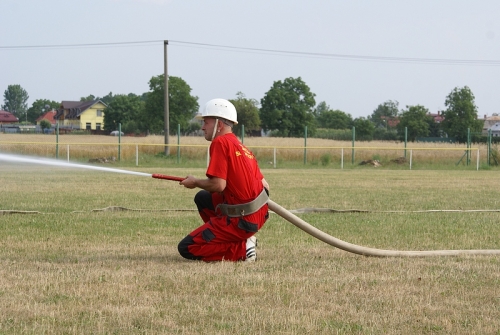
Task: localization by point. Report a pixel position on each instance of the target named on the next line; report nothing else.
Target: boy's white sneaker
(251, 252)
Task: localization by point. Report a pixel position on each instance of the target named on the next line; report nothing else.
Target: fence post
(411, 155)
(274, 157)
(468, 146)
(406, 138)
(489, 147)
(353, 139)
(242, 133)
(119, 140)
(57, 140)
(477, 163)
(342, 158)
(178, 143)
(305, 145)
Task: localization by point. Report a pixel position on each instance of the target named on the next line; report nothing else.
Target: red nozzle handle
(163, 176)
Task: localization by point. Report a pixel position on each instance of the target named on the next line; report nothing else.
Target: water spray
(285, 214)
(52, 162)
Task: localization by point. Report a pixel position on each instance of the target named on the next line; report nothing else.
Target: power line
(355, 57)
(349, 57)
(56, 46)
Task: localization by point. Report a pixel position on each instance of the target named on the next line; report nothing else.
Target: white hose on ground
(356, 249)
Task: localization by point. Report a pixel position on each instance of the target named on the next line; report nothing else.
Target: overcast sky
(413, 52)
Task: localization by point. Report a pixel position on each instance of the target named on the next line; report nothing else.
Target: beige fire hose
(356, 249)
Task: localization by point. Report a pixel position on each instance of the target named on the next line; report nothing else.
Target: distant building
(495, 130)
(438, 117)
(49, 116)
(490, 123)
(87, 115)
(7, 118)
(391, 122)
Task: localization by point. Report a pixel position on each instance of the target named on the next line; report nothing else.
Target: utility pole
(167, 123)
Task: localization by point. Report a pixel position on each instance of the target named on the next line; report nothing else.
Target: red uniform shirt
(232, 161)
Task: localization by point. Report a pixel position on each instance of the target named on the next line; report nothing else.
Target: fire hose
(353, 248)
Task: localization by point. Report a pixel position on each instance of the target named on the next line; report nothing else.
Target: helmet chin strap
(215, 128)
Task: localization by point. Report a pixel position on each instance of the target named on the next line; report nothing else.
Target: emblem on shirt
(245, 151)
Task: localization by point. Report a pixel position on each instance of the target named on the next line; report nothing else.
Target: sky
(353, 55)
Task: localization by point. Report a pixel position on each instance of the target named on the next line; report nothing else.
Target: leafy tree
(108, 98)
(88, 98)
(39, 107)
(193, 127)
(416, 120)
(248, 113)
(389, 109)
(45, 124)
(153, 116)
(15, 101)
(287, 108)
(364, 129)
(124, 109)
(335, 119)
(320, 108)
(384, 134)
(434, 127)
(461, 113)
(182, 105)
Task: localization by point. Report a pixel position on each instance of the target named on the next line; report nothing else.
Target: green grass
(71, 270)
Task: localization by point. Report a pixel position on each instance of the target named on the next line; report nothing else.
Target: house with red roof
(438, 117)
(49, 116)
(390, 122)
(7, 118)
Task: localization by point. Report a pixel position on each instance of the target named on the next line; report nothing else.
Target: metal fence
(142, 154)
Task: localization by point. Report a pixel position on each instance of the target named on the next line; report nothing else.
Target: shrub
(45, 124)
(325, 159)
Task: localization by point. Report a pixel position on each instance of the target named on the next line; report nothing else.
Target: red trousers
(220, 237)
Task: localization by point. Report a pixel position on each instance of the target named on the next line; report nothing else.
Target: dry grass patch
(73, 271)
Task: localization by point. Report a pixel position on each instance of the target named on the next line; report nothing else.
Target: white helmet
(219, 108)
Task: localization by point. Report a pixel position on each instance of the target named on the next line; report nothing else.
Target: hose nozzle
(163, 176)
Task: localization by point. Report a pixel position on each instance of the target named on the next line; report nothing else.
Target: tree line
(285, 111)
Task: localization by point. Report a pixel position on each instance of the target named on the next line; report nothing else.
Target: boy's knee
(203, 200)
(183, 248)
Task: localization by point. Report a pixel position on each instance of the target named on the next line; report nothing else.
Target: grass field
(72, 270)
